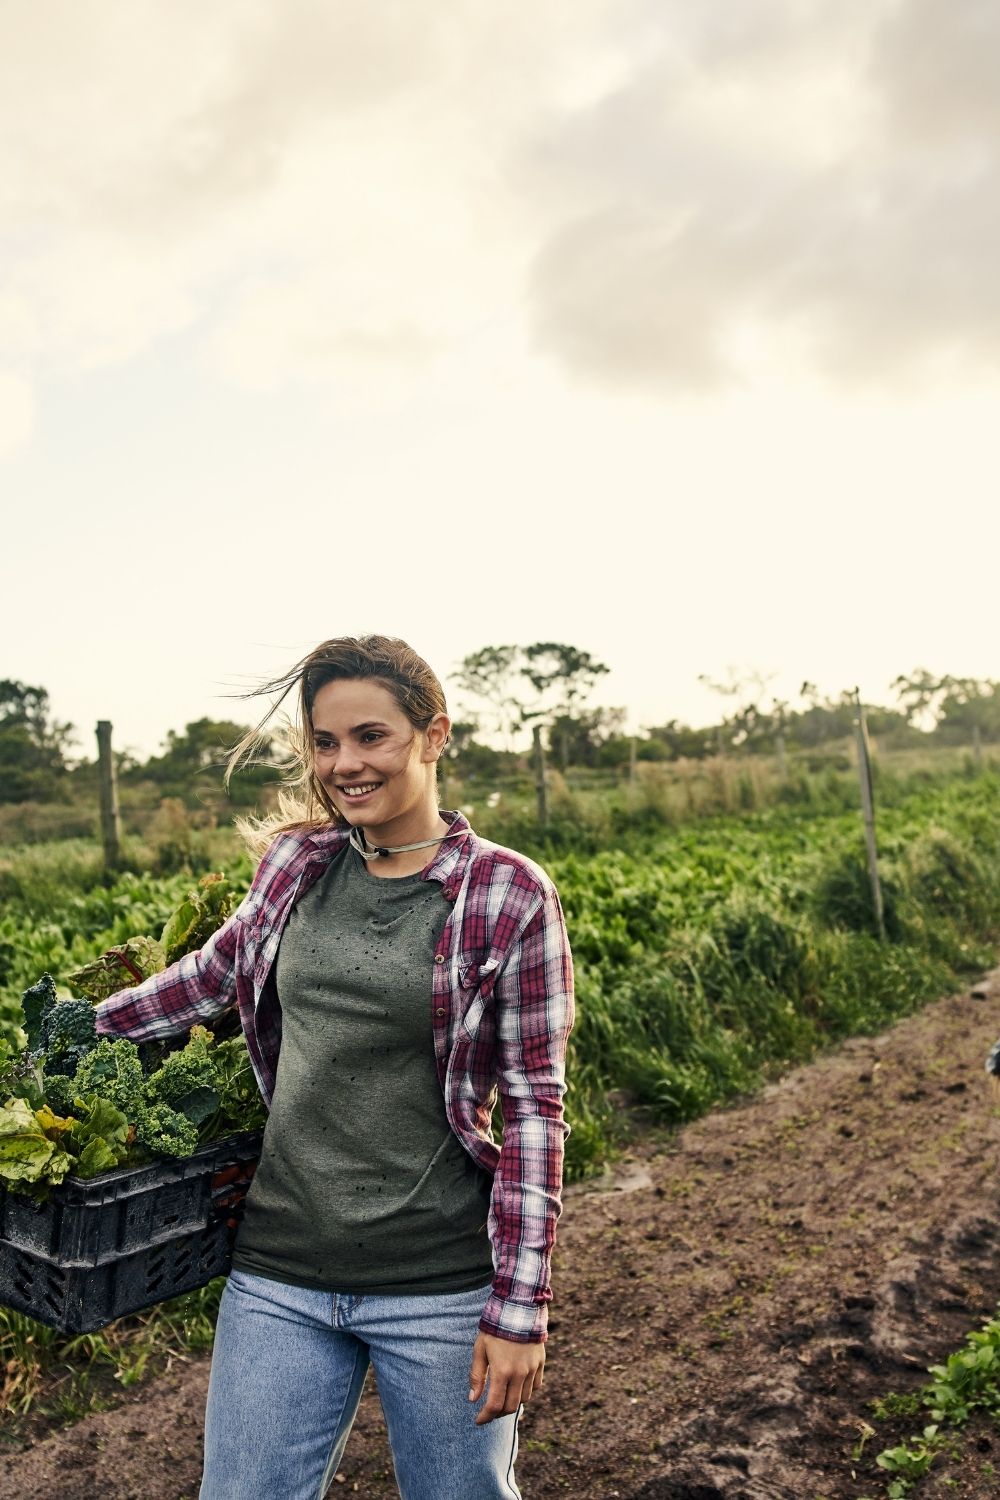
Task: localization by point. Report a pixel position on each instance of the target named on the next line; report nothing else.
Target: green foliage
(38, 1003)
(31, 1145)
(186, 1080)
(166, 1131)
(70, 1033)
(202, 911)
(968, 1382)
(113, 1072)
(32, 745)
(118, 969)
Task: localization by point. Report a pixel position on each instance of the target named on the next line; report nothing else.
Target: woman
(394, 975)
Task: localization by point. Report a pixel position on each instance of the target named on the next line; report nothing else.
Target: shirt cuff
(523, 1323)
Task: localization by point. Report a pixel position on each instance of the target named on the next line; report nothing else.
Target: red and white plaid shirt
(501, 995)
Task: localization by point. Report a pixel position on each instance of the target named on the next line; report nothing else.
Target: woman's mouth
(359, 791)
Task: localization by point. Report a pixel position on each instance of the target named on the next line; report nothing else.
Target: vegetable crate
(111, 1245)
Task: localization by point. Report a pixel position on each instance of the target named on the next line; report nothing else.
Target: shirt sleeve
(534, 1015)
(195, 989)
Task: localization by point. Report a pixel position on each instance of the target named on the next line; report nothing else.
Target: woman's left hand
(515, 1372)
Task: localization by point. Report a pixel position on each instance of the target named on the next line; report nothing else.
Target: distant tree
(969, 704)
(677, 740)
(921, 694)
(193, 761)
(33, 745)
(524, 685)
(563, 677)
(756, 717)
(579, 738)
(467, 757)
(492, 676)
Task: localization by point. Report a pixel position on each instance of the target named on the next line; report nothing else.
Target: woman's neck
(409, 861)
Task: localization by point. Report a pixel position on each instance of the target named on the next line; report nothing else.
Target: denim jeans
(287, 1371)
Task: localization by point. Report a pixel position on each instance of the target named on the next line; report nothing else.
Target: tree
(33, 745)
(970, 705)
(562, 677)
(757, 715)
(491, 674)
(193, 760)
(921, 695)
(580, 737)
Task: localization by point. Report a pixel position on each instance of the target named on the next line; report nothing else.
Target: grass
(48, 1374)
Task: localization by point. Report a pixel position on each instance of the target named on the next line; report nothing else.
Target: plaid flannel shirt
(501, 997)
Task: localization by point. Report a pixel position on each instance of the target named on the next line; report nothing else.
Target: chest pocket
(477, 982)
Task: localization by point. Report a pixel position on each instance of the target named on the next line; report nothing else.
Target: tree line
(505, 691)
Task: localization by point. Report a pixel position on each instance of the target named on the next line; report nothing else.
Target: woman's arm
(192, 991)
(533, 998)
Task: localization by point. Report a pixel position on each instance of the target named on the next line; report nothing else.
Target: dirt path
(723, 1315)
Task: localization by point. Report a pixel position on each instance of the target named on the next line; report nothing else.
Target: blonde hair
(303, 801)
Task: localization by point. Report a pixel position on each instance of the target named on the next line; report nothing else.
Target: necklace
(357, 841)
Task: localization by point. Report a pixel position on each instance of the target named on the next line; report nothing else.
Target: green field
(709, 957)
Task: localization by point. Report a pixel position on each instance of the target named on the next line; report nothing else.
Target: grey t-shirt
(362, 1185)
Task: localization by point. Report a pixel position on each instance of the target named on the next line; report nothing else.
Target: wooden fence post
(539, 754)
(977, 747)
(868, 809)
(111, 830)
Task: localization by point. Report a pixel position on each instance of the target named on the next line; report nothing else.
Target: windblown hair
(303, 802)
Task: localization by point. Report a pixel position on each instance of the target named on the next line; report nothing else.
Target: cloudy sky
(668, 329)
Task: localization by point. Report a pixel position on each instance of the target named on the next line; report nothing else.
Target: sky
(668, 330)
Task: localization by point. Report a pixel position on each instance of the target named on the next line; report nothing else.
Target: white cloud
(795, 170)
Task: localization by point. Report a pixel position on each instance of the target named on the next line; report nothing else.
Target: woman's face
(375, 766)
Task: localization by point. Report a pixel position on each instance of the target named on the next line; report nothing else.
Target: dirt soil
(726, 1305)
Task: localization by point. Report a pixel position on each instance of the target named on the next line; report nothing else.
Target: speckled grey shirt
(362, 1185)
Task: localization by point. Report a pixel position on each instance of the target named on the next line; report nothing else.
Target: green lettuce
(99, 1134)
(31, 1145)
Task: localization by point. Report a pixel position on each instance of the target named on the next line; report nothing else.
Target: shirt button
(440, 1011)
(439, 958)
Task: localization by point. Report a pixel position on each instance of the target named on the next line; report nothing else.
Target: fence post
(977, 747)
(779, 750)
(539, 756)
(868, 809)
(111, 830)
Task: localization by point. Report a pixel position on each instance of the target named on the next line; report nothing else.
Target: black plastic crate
(102, 1248)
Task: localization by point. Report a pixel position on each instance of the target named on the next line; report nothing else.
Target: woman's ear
(436, 737)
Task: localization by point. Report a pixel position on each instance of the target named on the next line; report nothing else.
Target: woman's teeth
(360, 791)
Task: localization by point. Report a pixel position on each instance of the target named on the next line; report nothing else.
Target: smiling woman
(395, 975)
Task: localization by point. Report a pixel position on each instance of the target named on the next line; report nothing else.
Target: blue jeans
(287, 1371)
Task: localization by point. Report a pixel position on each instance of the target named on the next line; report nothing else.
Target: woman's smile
(361, 791)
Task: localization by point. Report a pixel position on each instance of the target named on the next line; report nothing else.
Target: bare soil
(728, 1303)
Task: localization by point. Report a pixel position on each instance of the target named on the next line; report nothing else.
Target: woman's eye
(371, 734)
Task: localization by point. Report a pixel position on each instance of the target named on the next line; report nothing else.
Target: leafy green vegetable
(70, 1033)
(167, 1132)
(128, 963)
(200, 914)
(31, 1144)
(99, 1135)
(113, 1072)
(186, 1080)
(37, 1002)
